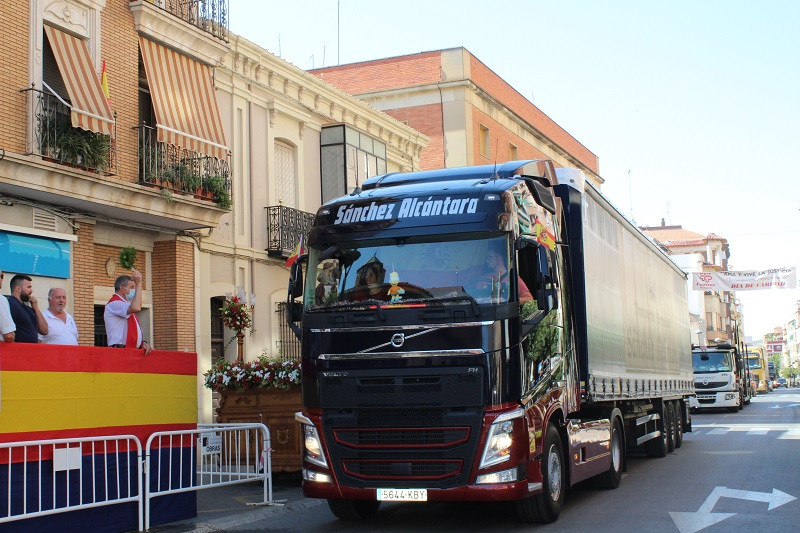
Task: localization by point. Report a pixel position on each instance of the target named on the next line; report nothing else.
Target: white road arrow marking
(692, 522)
(776, 406)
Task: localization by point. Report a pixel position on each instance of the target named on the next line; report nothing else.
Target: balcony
(285, 227)
(181, 171)
(54, 138)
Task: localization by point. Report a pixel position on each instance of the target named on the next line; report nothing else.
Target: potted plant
(216, 186)
(265, 390)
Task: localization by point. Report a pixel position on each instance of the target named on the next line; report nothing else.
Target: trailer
(483, 333)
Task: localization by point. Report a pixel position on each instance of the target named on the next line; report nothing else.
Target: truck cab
(717, 377)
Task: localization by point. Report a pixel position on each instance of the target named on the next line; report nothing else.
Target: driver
(497, 274)
(369, 280)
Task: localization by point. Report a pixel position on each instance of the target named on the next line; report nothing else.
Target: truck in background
(526, 337)
(757, 362)
(718, 377)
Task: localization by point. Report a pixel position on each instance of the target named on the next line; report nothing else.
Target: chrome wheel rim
(554, 473)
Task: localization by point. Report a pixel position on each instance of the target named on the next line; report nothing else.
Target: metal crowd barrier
(45, 477)
(213, 455)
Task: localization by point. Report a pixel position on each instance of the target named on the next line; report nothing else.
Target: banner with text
(775, 278)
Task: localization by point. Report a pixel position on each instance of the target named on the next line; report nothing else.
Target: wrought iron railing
(55, 138)
(285, 226)
(182, 171)
(211, 16)
(287, 345)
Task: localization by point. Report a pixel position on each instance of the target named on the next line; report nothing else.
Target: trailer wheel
(671, 426)
(353, 509)
(546, 507)
(678, 424)
(610, 478)
(658, 446)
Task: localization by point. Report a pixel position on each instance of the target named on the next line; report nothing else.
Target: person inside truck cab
(370, 281)
(496, 275)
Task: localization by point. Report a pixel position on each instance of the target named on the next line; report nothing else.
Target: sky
(692, 107)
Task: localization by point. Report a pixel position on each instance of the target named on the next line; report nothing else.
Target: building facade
(471, 115)
(205, 156)
(84, 175)
(293, 138)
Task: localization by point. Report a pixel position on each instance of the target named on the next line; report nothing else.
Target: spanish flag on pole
(104, 82)
(297, 251)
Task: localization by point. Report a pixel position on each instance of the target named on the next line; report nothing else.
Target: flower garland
(259, 374)
(236, 314)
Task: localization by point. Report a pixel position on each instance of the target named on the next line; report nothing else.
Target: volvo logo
(398, 339)
(334, 374)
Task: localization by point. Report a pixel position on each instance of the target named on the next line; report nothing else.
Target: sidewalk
(226, 509)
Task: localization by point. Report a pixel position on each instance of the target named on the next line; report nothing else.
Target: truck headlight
(313, 446)
(311, 442)
(501, 436)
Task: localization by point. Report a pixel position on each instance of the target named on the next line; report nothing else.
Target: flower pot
(274, 408)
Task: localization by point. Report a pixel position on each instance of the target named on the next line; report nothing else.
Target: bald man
(61, 326)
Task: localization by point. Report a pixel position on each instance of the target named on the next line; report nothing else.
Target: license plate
(402, 495)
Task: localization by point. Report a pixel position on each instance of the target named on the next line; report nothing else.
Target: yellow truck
(757, 362)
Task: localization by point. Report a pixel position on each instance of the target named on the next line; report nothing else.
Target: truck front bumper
(717, 399)
(490, 492)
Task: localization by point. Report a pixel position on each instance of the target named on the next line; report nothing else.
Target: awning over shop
(39, 256)
(90, 109)
(184, 100)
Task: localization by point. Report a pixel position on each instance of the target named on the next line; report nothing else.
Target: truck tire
(353, 509)
(658, 446)
(545, 507)
(678, 424)
(671, 426)
(610, 479)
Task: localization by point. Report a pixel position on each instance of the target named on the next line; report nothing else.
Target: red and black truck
(483, 333)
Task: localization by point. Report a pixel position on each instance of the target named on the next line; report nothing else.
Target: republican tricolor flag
(297, 251)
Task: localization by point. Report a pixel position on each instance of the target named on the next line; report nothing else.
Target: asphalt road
(734, 472)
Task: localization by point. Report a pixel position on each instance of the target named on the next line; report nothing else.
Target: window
(485, 142)
(285, 174)
(348, 158)
(512, 152)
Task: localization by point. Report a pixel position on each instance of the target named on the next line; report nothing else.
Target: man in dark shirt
(29, 319)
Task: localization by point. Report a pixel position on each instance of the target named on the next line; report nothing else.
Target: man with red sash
(122, 325)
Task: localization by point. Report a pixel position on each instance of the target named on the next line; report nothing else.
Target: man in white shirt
(60, 324)
(7, 326)
(122, 325)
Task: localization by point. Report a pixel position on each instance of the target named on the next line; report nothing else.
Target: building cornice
(322, 102)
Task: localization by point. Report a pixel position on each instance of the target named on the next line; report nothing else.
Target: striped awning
(184, 100)
(90, 109)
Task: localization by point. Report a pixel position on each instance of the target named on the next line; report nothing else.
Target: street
(735, 471)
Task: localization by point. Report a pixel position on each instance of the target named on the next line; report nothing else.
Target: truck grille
(380, 434)
(710, 384)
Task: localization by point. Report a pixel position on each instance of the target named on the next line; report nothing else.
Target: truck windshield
(408, 271)
(712, 362)
(754, 361)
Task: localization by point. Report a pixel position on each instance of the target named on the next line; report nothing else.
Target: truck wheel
(610, 479)
(670, 425)
(353, 509)
(678, 424)
(658, 446)
(546, 507)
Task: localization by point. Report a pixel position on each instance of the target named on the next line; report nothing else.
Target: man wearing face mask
(122, 325)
